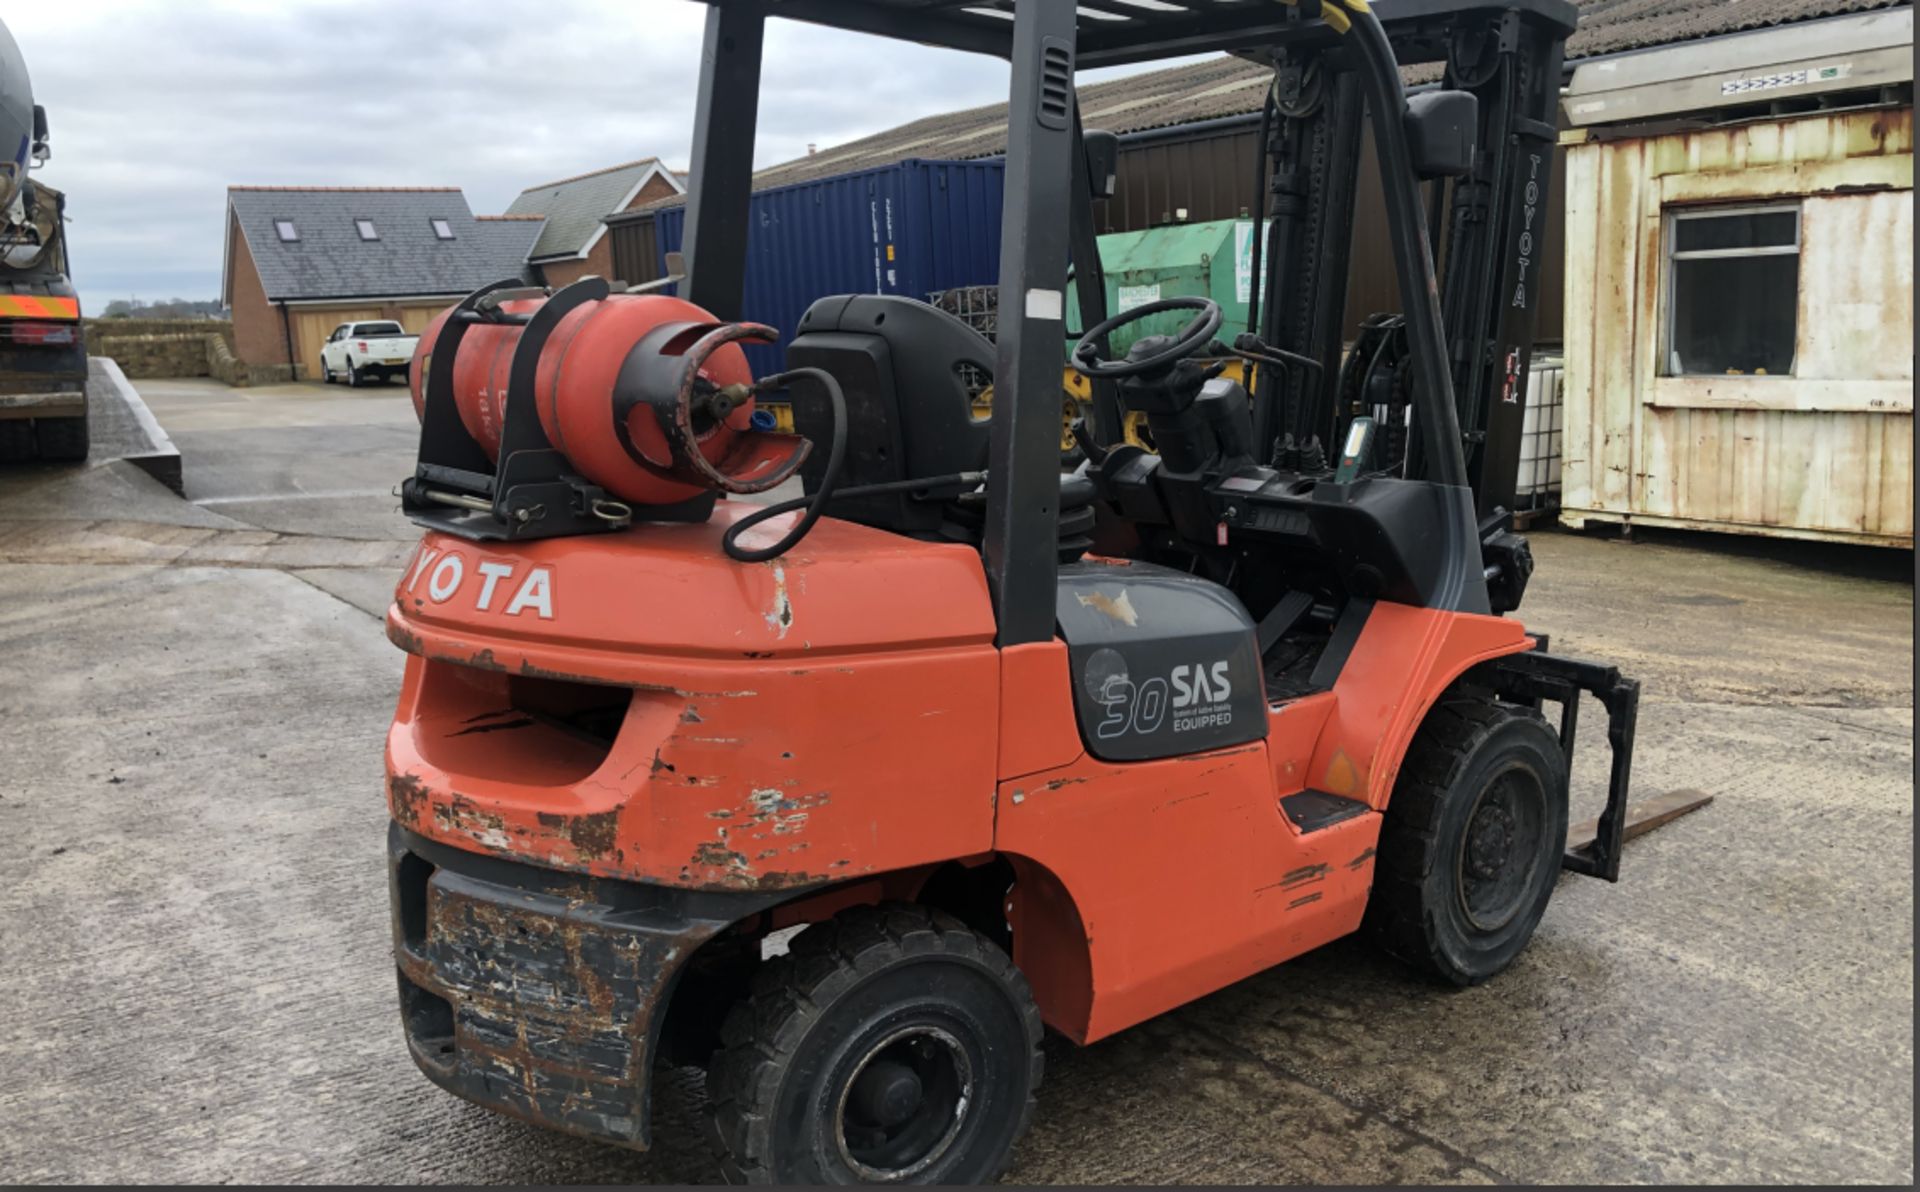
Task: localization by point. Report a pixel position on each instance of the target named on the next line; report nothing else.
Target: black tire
(894, 1014)
(1471, 846)
(353, 375)
(326, 374)
(16, 440)
(62, 440)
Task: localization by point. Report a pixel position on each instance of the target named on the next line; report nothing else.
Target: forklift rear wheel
(890, 1045)
(63, 440)
(1471, 846)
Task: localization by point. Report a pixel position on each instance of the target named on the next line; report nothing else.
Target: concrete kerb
(142, 440)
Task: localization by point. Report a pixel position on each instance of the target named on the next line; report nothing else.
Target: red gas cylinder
(593, 365)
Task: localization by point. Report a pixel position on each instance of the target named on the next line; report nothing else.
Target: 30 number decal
(1130, 708)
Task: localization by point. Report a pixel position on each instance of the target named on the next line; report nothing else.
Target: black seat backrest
(904, 368)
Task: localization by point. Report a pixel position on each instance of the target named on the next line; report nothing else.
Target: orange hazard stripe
(29, 306)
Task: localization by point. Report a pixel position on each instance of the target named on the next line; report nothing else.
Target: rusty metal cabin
(1739, 331)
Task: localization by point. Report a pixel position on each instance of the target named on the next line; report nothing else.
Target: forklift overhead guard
(847, 795)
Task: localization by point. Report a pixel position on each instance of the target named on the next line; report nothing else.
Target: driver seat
(902, 366)
(909, 373)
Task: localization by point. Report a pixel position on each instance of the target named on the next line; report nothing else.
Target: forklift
(849, 796)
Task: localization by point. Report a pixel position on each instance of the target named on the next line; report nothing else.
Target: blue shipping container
(910, 228)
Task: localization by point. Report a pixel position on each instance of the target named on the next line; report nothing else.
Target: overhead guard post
(1023, 487)
(714, 244)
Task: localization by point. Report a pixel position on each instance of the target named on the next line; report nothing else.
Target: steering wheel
(1203, 328)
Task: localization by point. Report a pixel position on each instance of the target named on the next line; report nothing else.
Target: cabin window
(1732, 290)
(285, 229)
(366, 228)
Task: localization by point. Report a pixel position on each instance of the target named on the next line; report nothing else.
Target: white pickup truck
(362, 352)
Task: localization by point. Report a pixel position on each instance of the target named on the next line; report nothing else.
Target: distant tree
(172, 308)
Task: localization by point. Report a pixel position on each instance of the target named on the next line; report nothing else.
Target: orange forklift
(850, 795)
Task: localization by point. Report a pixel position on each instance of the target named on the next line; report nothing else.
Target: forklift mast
(1467, 337)
(1487, 205)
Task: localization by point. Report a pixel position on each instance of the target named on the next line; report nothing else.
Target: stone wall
(223, 365)
(121, 328)
(145, 348)
(144, 356)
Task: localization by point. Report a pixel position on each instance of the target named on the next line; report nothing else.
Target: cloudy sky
(156, 107)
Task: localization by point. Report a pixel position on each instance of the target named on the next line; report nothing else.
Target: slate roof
(331, 261)
(512, 237)
(1227, 86)
(575, 206)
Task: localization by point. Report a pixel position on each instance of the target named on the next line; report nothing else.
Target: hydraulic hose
(816, 504)
(829, 480)
(1259, 211)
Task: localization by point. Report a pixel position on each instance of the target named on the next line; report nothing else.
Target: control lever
(1252, 347)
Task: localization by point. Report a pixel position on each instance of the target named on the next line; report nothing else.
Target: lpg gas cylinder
(605, 391)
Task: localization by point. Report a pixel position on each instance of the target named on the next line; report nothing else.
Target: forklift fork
(1535, 676)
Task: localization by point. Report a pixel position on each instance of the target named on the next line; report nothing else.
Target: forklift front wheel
(1472, 840)
(890, 1045)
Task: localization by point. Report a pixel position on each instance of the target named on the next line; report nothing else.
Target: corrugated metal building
(1740, 234)
(909, 228)
(1760, 461)
(1188, 137)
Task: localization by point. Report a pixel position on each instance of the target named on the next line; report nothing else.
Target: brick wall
(599, 259)
(259, 335)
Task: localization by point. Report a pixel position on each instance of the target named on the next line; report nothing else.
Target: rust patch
(1360, 860)
(690, 716)
(408, 797)
(405, 638)
(786, 880)
(483, 827)
(553, 1008)
(661, 763)
(1057, 783)
(1304, 900)
(780, 813)
(716, 855)
(593, 834)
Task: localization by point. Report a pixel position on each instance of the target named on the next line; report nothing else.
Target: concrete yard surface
(195, 952)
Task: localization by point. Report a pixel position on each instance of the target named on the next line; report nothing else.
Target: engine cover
(1164, 663)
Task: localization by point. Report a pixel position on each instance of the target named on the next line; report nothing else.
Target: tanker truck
(43, 354)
